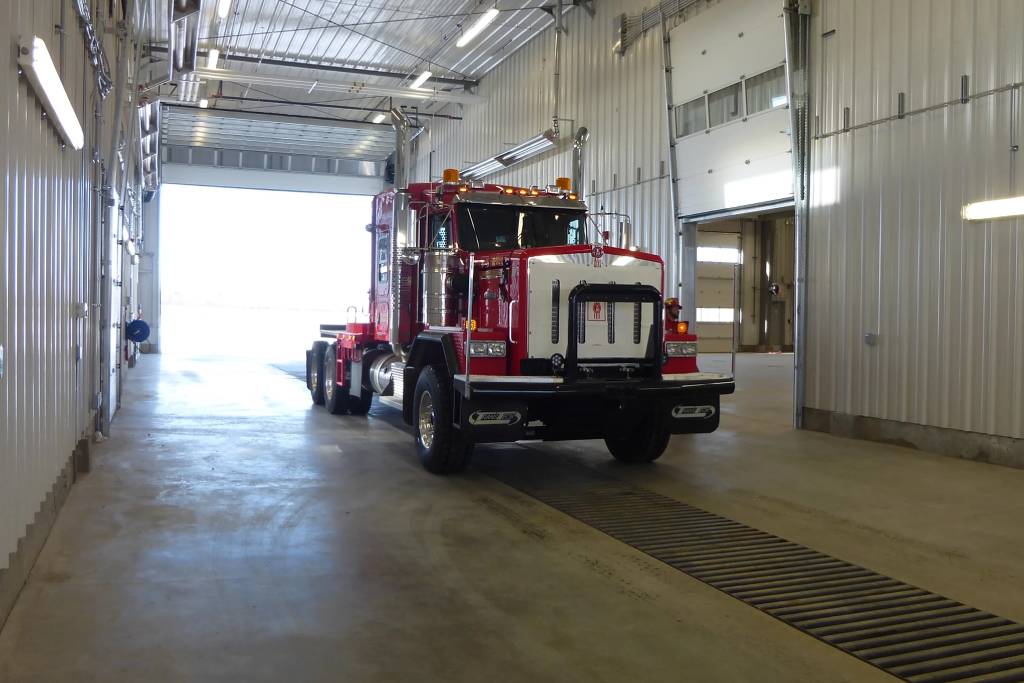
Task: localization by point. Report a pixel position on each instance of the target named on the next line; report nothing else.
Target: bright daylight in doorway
(267, 267)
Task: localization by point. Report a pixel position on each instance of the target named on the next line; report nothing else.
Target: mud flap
(697, 414)
(492, 420)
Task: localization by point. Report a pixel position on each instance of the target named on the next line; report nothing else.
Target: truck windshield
(488, 226)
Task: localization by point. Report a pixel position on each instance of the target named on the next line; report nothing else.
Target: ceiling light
(344, 87)
(34, 58)
(420, 80)
(994, 208)
(473, 31)
(211, 58)
(204, 103)
(378, 118)
(223, 7)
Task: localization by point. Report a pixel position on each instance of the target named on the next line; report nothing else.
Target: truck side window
(441, 230)
(383, 257)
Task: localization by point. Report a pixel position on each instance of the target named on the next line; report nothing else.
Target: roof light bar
(34, 59)
(510, 157)
(994, 208)
(420, 80)
(473, 31)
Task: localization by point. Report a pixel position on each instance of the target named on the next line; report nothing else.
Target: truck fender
(429, 348)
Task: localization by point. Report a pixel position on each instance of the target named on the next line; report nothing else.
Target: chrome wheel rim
(426, 420)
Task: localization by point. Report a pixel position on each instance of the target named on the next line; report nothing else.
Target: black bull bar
(583, 293)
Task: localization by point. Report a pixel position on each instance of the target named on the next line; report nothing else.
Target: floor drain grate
(907, 631)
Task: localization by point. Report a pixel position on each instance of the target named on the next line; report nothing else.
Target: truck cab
(501, 313)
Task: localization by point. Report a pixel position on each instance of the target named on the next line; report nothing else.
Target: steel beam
(360, 71)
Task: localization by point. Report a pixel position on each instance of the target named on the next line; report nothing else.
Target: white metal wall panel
(49, 238)
(746, 161)
(620, 99)
(888, 252)
(45, 202)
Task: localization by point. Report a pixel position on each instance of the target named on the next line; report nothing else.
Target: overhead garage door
(731, 109)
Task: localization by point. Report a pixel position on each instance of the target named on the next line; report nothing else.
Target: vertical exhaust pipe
(556, 86)
(401, 224)
(578, 141)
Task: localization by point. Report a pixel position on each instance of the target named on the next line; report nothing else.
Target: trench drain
(906, 631)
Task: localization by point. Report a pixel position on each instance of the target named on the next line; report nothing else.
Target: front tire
(645, 443)
(440, 446)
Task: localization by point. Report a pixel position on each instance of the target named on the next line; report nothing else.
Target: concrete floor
(229, 531)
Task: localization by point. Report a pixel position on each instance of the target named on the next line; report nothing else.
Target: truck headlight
(487, 348)
(673, 349)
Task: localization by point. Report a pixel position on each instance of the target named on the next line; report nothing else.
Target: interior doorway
(252, 273)
(746, 276)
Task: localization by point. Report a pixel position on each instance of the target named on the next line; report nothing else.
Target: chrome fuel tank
(440, 301)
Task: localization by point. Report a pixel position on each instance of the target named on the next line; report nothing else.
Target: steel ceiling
(390, 40)
(375, 46)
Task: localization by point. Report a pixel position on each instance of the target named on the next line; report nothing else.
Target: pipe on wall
(797, 30)
(556, 88)
(686, 298)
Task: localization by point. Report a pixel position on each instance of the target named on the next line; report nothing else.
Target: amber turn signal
(683, 327)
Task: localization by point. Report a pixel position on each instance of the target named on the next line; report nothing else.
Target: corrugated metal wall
(620, 99)
(46, 251)
(888, 252)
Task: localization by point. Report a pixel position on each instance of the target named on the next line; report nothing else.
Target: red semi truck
(497, 314)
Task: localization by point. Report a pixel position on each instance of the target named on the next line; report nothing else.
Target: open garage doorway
(745, 303)
(252, 273)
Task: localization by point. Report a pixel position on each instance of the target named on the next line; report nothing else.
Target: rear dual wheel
(315, 371)
(338, 399)
(334, 396)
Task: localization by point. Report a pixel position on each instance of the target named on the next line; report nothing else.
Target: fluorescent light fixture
(421, 79)
(993, 208)
(211, 58)
(473, 31)
(379, 117)
(479, 170)
(204, 103)
(223, 7)
(343, 87)
(538, 144)
(34, 59)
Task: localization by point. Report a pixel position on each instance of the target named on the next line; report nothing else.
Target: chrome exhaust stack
(578, 141)
(402, 225)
